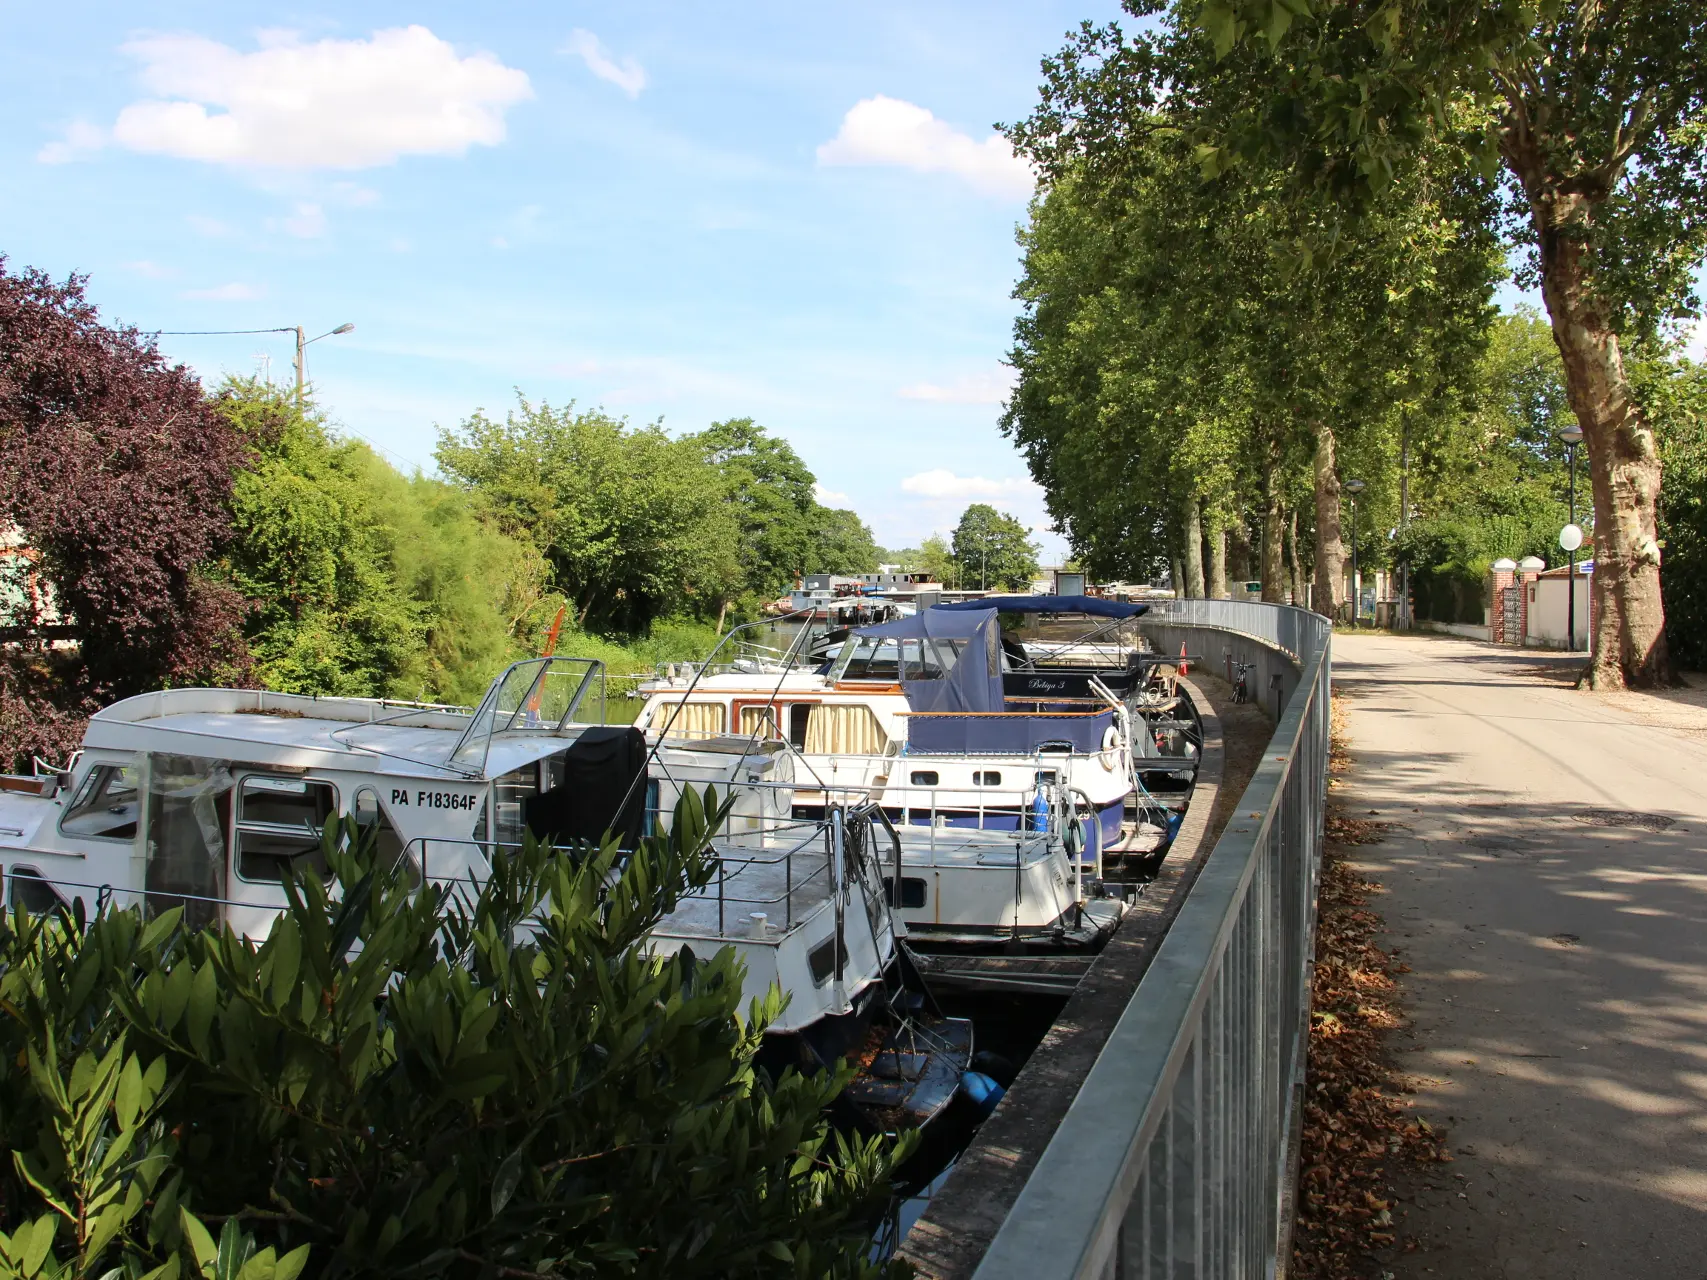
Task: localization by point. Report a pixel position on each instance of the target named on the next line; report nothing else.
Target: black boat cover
(600, 769)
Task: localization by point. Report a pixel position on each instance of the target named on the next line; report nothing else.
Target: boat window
(987, 778)
(29, 890)
(188, 822)
(371, 817)
(691, 719)
(799, 716)
(868, 658)
(105, 805)
(845, 728)
(925, 777)
(822, 961)
(279, 822)
(759, 722)
(912, 891)
(511, 793)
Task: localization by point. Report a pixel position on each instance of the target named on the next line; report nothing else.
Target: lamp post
(1355, 487)
(302, 344)
(1571, 537)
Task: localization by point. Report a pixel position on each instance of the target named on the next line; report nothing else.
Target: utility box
(1069, 584)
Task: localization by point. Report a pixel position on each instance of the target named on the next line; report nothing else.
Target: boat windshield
(887, 658)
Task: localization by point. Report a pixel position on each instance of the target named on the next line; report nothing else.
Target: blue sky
(793, 212)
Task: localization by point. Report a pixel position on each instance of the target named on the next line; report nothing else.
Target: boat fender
(1110, 749)
(984, 1092)
(1039, 813)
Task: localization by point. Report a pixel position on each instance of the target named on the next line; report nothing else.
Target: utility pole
(302, 345)
(1571, 538)
(1355, 487)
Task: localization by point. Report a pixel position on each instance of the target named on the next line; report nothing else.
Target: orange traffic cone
(1184, 666)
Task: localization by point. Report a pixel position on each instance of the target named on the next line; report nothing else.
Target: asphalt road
(1547, 884)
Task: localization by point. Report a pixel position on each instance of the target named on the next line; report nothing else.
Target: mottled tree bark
(1239, 553)
(1273, 531)
(1296, 562)
(1217, 562)
(1624, 464)
(1330, 546)
(1193, 550)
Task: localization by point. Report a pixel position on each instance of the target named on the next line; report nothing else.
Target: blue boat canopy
(1094, 605)
(947, 661)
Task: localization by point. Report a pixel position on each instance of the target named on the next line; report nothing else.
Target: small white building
(1549, 613)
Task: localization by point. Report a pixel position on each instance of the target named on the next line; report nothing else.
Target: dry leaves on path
(1355, 1120)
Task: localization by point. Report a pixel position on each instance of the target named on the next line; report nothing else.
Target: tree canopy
(1192, 378)
(115, 478)
(1595, 115)
(363, 581)
(993, 551)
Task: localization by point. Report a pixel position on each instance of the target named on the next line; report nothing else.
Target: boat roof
(364, 735)
(1096, 606)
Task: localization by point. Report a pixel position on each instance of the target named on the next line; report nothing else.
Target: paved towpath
(1548, 888)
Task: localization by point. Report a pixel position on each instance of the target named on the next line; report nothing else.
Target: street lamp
(301, 344)
(1355, 487)
(1571, 537)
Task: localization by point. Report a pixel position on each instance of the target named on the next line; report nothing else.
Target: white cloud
(306, 222)
(627, 75)
(204, 225)
(236, 291)
(151, 270)
(335, 104)
(80, 140)
(887, 131)
(943, 484)
(984, 388)
(1695, 346)
(830, 497)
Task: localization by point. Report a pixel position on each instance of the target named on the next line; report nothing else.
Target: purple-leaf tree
(115, 477)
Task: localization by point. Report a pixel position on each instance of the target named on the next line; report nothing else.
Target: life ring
(1110, 749)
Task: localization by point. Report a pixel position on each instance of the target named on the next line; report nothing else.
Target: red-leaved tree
(116, 475)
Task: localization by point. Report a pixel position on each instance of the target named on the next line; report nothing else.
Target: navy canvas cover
(1009, 735)
(1096, 606)
(974, 681)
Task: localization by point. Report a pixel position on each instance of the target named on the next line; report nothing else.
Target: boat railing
(804, 848)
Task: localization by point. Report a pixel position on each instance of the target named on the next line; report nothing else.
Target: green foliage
(635, 524)
(993, 550)
(1674, 394)
(771, 491)
(467, 1081)
(841, 542)
(363, 581)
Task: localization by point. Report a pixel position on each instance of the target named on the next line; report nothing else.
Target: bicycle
(1241, 687)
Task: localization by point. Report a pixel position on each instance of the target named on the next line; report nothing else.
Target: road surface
(1547, 884)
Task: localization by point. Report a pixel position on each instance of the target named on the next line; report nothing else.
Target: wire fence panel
(1174, 1159)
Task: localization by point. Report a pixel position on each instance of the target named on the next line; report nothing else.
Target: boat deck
(944, 846)
(787, 881)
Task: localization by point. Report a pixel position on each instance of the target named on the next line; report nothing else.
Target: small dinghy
(910, 1073)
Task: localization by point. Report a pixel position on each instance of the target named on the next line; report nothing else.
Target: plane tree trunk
(1330, 546)
(1624, 463)
(1193, 550)
(1217, 561)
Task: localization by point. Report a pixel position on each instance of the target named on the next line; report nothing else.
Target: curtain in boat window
(753, 717)
(189, 813)
(844, 729)
(690, 720)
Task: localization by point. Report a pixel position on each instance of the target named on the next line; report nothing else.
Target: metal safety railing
(1174, 1158)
